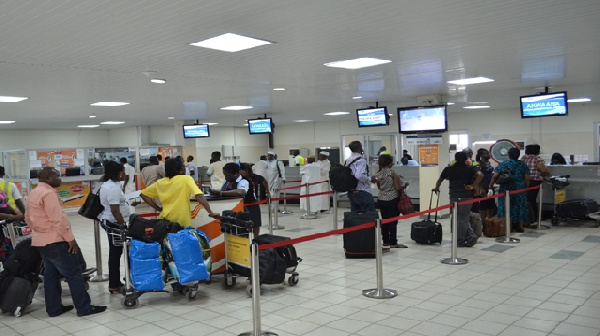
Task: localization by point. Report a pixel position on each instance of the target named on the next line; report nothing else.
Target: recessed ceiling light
(236, 107)
(335, 113)
(7, 121)
(302, 121)
(92, 116)
(579, 100)
(112, 122)
(449, 103)
(356, 97)
(88, 126)
(357, 63)
(244, 124)
(279, 89)
(210, 124)
(230, 42)
(158, 81)
(9, 99)
(171, 118)
(109, 104)
(474, 80)
(474, 107)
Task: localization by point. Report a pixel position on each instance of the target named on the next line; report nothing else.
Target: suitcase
(287, 252)
(495, 227)
(427, 231)
(359, 244)
(16, 293)
(577, 208)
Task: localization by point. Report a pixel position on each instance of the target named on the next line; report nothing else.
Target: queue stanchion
(285, 210)
(335, 212)
(269, 211)
(255, 276)
(307, 215)
(276, 225)
(454, 260)
(539, 221)
(100, 276)
(379, 292)
(507, 239)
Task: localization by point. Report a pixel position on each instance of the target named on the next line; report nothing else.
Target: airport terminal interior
(548, 284)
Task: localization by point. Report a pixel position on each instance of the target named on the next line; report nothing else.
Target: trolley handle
(6, 221)
(233, 221)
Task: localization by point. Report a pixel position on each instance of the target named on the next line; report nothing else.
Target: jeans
(114, 263)
(361, 200)
(464, 232)
(58, 261)
(389, 209)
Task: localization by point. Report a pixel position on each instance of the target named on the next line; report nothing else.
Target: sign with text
(428, 155)
(424, 140)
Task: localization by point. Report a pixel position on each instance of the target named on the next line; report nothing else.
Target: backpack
(341, 178)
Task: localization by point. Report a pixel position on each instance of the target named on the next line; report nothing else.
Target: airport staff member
(12, 191)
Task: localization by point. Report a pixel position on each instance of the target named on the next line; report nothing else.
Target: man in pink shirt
(52, 234)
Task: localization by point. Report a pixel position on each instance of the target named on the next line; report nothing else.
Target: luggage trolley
(120, 236)
(582, 209)
(559, 184)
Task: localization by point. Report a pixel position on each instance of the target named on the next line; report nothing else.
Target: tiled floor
(548, 284)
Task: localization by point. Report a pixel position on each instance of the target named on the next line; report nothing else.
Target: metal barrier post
(256, 297)
(307, 215)
(453, 260)
(335, 212)
(276, 225)
(507, 238)
(539, 223)
(269, 209)
(379, 292)
(285, 210)
(100, 276)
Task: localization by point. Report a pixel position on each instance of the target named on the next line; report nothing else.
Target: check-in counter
(584, 183)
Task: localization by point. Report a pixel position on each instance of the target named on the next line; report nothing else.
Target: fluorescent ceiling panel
(109, 104)
(236, 107)
(357, 63)
(473, 80)
(10, 99)
(230, 42)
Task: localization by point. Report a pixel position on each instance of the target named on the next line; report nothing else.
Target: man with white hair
(325, 165)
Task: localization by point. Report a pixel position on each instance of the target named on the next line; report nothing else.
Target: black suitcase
(361, 243)
(287, 252)
(427, 231)
(576, 208)
(16, 293)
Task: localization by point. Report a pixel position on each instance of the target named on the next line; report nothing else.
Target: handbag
(404, 205)
(505, 177)
(92, 207)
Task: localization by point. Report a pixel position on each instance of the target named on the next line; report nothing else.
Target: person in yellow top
(173, 192)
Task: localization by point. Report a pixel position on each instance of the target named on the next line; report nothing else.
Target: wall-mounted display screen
(196, 131)
(422, 119)
(544, 105)
(260, 126)
(373, 116)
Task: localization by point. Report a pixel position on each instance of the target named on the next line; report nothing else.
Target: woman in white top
(116, 210)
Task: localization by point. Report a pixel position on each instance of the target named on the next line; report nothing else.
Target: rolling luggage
(427, 231)
(576, 208)
(287, 252)
(361, 243)
(495, 227)
(16, 292)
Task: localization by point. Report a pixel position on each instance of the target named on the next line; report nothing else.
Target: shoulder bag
(92, 207)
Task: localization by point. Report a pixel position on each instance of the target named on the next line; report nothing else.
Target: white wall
(50, 139)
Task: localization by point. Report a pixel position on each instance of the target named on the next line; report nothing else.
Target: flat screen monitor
(372, 116)
(260, 126)
(544, 105)
(422, 119)
(196, 131)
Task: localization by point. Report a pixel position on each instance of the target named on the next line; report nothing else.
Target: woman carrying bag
(390, 187)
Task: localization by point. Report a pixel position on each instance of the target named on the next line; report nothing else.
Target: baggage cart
(577, 209)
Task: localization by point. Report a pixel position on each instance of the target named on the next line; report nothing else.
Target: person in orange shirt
(52, 235)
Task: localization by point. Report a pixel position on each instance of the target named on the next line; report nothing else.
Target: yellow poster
(428, 155)
(238, 250)
(73, 194)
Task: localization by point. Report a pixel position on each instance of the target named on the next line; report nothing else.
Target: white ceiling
(65, 55)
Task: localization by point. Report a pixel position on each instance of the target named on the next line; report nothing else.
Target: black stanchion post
(453, 260)
(379, 292)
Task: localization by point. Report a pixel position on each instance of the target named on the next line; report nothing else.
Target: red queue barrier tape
(301, 196)
(301, 185)
(150, 214)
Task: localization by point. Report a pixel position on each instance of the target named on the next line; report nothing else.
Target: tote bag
(92, 207)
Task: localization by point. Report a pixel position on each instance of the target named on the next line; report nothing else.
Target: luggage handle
(437, 204)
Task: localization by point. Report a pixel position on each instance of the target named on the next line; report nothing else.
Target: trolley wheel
(249, 290)
(130, 303)
(554, 220)
(191, 295)
(293, 280)
(228, 281)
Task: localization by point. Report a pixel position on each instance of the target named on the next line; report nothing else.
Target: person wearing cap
(275, 173)
(12, 191)
(310, 173)
(325, 166)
